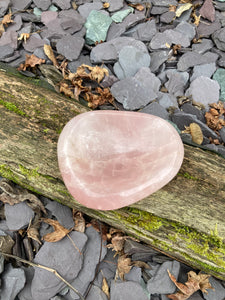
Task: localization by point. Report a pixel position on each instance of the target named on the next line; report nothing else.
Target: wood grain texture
(185, 219)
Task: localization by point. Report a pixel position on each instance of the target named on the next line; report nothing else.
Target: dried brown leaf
(124, 266)
(103, 96)
(24, 37)
(7, 19)
(106, 5)
(31, 61)
(140, 264)
(193, 284)
(172, 8)
(65, 89)
(58, 233)
(79, 221)
(176, 48)
(50, 54)
(105, 287)
(33, 230)
(196, 18)
(2, 29)
(196, 133)
(137, 6)
(96, 73)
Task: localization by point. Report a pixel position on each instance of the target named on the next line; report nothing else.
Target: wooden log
(185, 219)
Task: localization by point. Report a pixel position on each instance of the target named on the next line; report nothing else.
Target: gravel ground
(162, 59)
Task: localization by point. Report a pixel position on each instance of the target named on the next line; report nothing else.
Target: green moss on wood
(12, 107)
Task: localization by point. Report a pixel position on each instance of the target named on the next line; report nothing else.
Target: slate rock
(157, 59)
(182, 119)
(219, 38)
(83, 59)
(167, 17)
(9, 38)
(136, 92)
(13, 280)
(204, 90)
(160, 283)
(144, 32)
(158, 10)
(220, 6)
(170, 36)
(4, 7)
(221, 150)
(62, 213)
(177, 82)
(6, 51)
(20, 4)
(191, 59)
(109, 51)
(207, 10)
(166, 100)
(130, 61)
(135, 275)
(97, 25)
(34, 42)
(222, 134)
(18, 215)
(2, 260)
(129, 290)
(96, 293)
(63, 4)
(218, 293)
(16, 25)
(48, 16)
(206, 70)
(211, 147)
(42, 4)
(25, 293)
(54, 30)
(186, 29)
(156, 109)
(164, 2)
(201, 48)
(118, 29)
(131, 247)
(108, 81)
(61, 256)
(219, 76)
(115, 5)
(70, 46)
(118, 16)
(193, 110)
(26, 17)
(87, 8)
(71, 21)
(205, 30)
(91, 258)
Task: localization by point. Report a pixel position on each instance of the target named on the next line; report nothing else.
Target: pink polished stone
(111, 159)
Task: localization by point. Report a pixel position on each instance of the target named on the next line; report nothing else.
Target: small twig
(45, 268)
(74, 244)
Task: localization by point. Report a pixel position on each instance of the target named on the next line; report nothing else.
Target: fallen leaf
(103, 96)
(6, 244)
(24, 37)
(137, 6)
(194, 283)
(7, 19)
(175, 48)
(58, 233)
(50, 54)
(33, 230)
(196, 133)
(182, 9)
(106, 5)
(167, 45)
(74, 5)
(196, 18)
(124, 266)
(215, 116)
(79, 221)
(172, 8)
(31, 61)
(105, 287)
(13, 195)
(96, 73)
(2, 29)
(140, 264)
(65, 89)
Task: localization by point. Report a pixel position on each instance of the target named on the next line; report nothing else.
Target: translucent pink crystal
(111, 159)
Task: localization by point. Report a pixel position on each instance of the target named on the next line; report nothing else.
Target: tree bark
(185, 219)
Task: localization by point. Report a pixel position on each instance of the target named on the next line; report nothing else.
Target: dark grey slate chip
(91, 258)
(61, 256)
(157, 59)
(164, 2)
(63, 4)
(160, 283)
(62, 213)
(13, 280)
(205, 30)
(4, 7)
(167, 17)
(6, 51)
(193, 110)
(144, 32)
(132, 247)
(219, 38)
(42, 4)
(129, 290)
(156, 109)
(191, 59)
(20, 4)
(182, 119)
(70, 47)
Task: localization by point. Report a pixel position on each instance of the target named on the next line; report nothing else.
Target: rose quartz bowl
(111, 159)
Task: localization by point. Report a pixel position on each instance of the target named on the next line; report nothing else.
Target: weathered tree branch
(185, 219)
